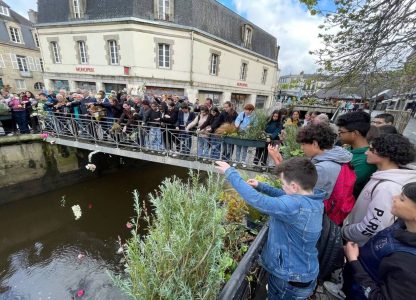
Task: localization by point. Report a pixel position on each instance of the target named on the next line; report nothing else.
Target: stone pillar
(72, 85)
(192, 94)
(48, 84)
(99, 86)
(226, 96)
(251, 99)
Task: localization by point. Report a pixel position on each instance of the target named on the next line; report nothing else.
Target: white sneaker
(244, 166)
(174, 154)
(234, 165)
(334, 289)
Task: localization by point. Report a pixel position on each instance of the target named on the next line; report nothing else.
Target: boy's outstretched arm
(277, 206)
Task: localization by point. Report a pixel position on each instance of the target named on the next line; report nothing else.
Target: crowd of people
(355, 173)
(167, 122)
(362, 180)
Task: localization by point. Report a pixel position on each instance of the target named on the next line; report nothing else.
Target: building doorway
(239, 100)
(108, 87)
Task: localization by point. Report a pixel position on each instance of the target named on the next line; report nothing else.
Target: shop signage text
(242, 84)
(84, 69)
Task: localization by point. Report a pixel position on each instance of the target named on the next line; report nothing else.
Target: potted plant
(254, 136)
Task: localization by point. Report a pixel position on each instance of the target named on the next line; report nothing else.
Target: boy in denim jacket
(290, 255)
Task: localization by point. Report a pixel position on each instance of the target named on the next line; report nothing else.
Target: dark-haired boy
(353, 129)
(289, 255)
(383, 119)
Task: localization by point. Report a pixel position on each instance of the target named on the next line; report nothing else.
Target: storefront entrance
(108, 87)
(215, 96)
(239, 100)
(158, 91)
(89, 86)
(60, 85)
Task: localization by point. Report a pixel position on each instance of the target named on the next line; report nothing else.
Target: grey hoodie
(372, 211)
(328, 166)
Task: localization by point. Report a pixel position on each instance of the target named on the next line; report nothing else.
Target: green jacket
(363, 170)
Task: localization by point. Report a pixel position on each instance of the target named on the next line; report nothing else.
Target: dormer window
(164, 10)
(15, 35)
(4, 11)
(247, 35)
(77, 8)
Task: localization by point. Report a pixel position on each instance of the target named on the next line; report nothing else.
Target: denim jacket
(294, 228)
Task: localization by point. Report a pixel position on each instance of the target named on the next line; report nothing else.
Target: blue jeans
(215, 147)
(227, 151)
(185, 139)
(21, 119)
(241, 154)
(155, 139)
(280, 289)
(203, 147)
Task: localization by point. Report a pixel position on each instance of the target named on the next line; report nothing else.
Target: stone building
(194, 48)
(20, 59)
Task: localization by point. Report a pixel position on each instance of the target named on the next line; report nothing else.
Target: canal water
(45, 253)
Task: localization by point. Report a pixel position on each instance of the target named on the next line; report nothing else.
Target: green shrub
(182, 255)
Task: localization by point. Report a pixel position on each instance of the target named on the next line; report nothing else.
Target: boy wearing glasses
(353, 129)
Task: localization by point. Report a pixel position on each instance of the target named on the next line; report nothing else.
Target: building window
(164, 10)
(36, 37)
(243, 71)
(164, 56)
(20, 84)
(214, 64)
(82, 48)
(113, 51)
(38, 86)
(4, 11)
(15, 35)
(77, 9)
(55, 53)
(39, 64)
(22, 63)
(247, 35)
(264, 76)
(2, 64)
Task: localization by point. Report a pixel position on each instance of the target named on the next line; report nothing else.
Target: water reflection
(41, 242)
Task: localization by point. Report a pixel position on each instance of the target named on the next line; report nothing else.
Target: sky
(295, 29)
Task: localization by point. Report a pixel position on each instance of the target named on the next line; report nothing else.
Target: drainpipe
(192, 60)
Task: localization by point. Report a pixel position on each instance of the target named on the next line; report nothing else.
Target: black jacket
(397, 272)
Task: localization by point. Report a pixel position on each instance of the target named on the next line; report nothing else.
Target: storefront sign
(85, 69)
(242, 84)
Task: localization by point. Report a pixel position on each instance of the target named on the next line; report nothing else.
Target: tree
(362, 39)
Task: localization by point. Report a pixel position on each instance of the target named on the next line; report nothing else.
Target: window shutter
(13, 58)
(31, 63)
(2, 64)
(38, 65)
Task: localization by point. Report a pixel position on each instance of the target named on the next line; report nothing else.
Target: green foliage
(256, 131)
(372, 37)
(290, 147)
(182, 255)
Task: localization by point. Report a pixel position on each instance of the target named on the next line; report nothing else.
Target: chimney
(33, 16)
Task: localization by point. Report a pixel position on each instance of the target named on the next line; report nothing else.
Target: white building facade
(165, 56)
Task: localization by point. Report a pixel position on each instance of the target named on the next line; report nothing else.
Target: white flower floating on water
(76, 209)
(91, 167)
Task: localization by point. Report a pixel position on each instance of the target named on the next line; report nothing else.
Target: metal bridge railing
(154, 138)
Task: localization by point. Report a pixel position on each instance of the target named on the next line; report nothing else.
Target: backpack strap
(376, 185)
